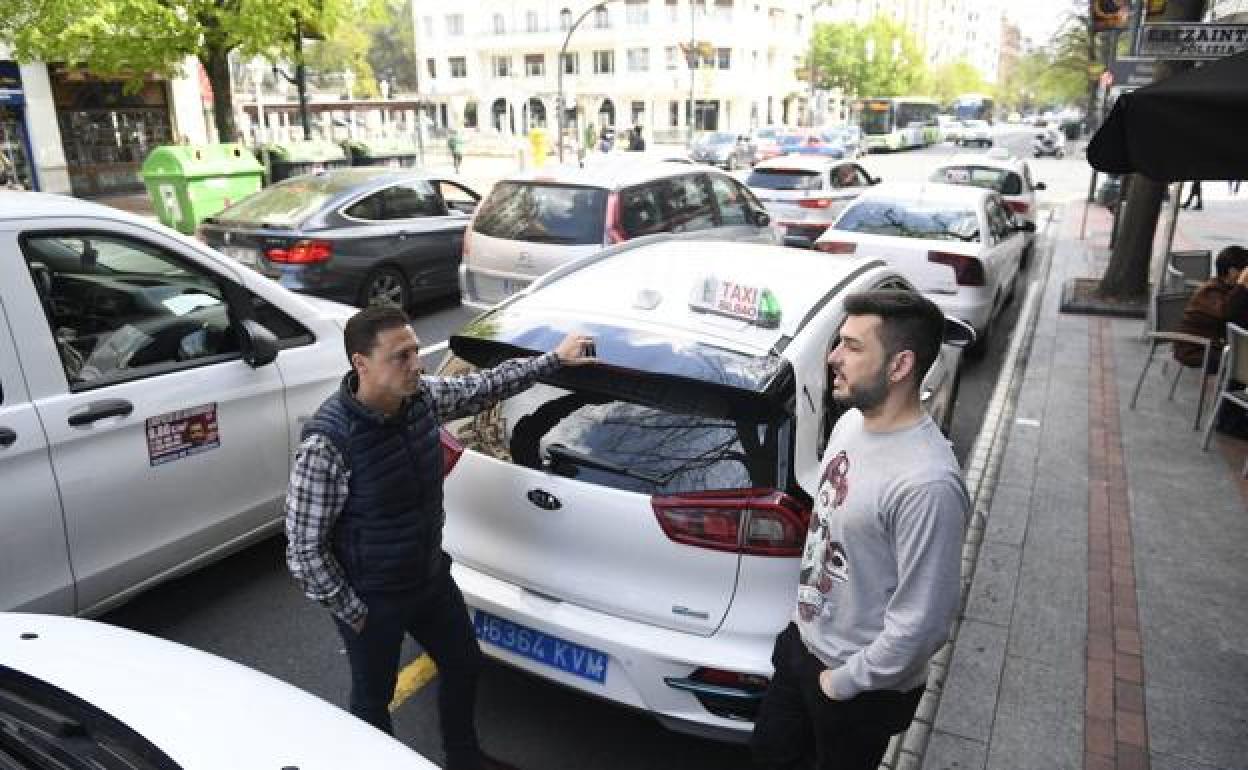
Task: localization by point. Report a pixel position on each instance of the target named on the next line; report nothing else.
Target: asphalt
(1106, 611)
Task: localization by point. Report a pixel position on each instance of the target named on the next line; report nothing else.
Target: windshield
(876, 118)
(719, 137)
(941, 222)
(1001, 180)
(784, 179)
(290, 202)
(543, 213)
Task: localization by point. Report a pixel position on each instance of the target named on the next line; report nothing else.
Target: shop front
(16, 168)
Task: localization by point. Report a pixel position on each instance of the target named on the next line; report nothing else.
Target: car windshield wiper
(561, 452)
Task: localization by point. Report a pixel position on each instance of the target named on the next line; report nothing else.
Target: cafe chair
(1165, 319)
(1232, 380)
(1188, 269)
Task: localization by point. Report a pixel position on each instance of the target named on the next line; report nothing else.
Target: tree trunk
(1126, 277)
(216, 63)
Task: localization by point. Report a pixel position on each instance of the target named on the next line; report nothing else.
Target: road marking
(412, 678)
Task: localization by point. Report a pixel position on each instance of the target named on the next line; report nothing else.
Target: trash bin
(187, 184)
(392, 152)
(537, 143)
(295, 158)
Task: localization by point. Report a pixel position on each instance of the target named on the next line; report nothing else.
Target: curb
(906, 751)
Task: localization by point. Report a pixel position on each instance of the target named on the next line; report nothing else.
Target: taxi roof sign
(755, 304)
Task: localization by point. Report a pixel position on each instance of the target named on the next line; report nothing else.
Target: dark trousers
(441, 625)
(1195, 195)
(798, 727)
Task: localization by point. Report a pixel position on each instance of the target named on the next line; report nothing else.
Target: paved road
(247, 609)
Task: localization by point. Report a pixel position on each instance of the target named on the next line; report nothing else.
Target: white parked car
(534, 222)
(94, 695)
(151, 397)
(632, 529)
(959, 245)
(977, 132)
(1002, 172)
(806, 193)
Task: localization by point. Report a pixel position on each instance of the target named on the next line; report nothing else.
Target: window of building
(673, 114)
(602, 18)
(639, 60)
(455, 24)
(531, 22)
(637, 12)
(723, 10)
(604, 62)
(571, 64)
(565, 20)
(637, 110)
(723, 58)
(500, 24)
(673, 10)
(428, 26)
(431, 66)
(459, 67)
(501, 66)
(470, 115)
(672, 55)
(535, 64)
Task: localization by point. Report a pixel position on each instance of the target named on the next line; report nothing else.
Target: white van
(534, 222)
(151, 398)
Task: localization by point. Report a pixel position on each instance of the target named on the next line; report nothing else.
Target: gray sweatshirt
(880, 570)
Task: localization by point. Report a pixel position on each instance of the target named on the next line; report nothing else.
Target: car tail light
(757, 522)
(1018, 207)
(452, 450)
(735, 679)
(836, 247)
(615, 234)
(968, 271)
(302, 253)
(815, 203)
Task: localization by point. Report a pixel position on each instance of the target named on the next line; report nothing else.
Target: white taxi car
(76, 693)
(632, 529)
(151, 397)
(976, 132)
(1000, 171)
(805, 193)
(959, 245)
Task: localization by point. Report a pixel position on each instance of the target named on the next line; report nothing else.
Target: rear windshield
(1001, 180)
(785, 179)
(911, 220)
(289, 202)
(662, 446)
(543, 213)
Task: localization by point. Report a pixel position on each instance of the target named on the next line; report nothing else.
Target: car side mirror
(1025, 226)
(958, 333)
(258, 344)
(1039, 186)
(798, 242)
(760, 218)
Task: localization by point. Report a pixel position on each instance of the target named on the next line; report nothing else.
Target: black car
(357, 235)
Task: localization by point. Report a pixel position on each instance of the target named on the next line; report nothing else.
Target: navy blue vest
(389, 534)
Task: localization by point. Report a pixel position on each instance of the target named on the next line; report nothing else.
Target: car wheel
(386, 286)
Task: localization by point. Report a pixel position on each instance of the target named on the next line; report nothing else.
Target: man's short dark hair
(908, 321)
(362, 330)
(1231, 258)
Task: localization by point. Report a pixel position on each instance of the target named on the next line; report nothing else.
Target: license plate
(549, 650)
(249, 257)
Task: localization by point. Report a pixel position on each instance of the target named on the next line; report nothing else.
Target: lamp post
(559, 76)
(693, 67)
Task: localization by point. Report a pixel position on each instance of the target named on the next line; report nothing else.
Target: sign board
(10, 83)
(1132, 74)
(1189, 41)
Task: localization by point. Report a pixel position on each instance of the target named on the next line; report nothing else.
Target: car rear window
(907, 219)
(1001, 180)
(543, 213)
(288, 203)
(602, 434)
(785, 179)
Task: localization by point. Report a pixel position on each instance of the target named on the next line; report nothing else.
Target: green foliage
(895, 67)
(346, 49)
(393, 47)
(1054, 74)
(948, 81)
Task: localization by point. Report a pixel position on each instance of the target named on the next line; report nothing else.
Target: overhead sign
(1190, 41)
(1132, 74)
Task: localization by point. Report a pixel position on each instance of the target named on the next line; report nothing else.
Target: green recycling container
(187, 184)
(294, 158)
(393, 152)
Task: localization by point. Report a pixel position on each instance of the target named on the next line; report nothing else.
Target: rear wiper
(547, 238)
(561, 452)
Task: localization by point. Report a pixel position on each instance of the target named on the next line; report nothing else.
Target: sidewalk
(1107, 620)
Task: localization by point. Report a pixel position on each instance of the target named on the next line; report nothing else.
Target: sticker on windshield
(181, 434)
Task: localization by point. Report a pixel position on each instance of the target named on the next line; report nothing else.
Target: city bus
(973, 107)
(897, 123)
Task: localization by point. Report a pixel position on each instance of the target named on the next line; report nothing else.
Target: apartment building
(494, 65)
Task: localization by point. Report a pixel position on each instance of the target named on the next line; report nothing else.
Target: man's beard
(865, 396)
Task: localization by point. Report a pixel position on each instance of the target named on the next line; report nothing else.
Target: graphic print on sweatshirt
(823, 560)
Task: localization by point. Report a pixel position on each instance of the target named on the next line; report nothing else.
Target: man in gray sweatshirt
(879, 579)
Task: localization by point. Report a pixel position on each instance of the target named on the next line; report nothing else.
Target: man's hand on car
(577, 349)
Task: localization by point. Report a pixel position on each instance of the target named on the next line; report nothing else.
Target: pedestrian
(636, 142)
(364, 517)
(1196, 195)
(455, 143)
(880, 573)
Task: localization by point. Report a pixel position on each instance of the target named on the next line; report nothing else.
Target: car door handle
(98, 410)
(7, 437)
(543, 499)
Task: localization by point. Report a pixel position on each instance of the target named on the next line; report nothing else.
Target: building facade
(493, 65)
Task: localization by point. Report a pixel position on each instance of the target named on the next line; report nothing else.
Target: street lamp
(559, 76)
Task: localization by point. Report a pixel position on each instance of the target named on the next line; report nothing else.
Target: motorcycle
(1049, 143)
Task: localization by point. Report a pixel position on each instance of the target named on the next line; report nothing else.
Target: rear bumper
(975, 310)
(648, 665)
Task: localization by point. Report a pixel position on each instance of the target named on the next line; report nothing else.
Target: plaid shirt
(321, 481)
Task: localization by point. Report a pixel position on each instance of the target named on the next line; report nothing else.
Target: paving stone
(1159, 761)
(946, 751)
(996, 576)
(1189, 727)
(1037, 724)
(970, 690)
(1008, 515)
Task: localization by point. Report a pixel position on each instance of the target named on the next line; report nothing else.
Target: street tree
(879, 58)
(1126, 276)
(131, 38)
(946, 82)
(344, 51)
(393, 46)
